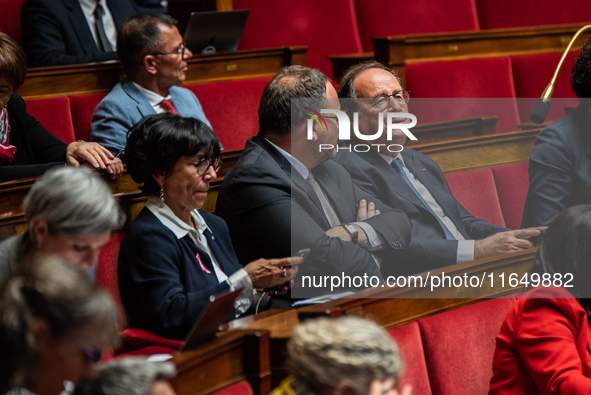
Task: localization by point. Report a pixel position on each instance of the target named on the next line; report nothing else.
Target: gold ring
(284, 272)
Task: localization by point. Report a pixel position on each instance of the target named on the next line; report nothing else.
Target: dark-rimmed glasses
(181, 51)
(382, 101)
(204, 164)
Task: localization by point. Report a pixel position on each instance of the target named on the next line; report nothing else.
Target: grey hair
(127, 376)
(346, 89)
(72, 200)
(49, 290)
(325, 352)
(278, 113)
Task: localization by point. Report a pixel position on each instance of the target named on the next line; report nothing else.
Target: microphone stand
(542, 105)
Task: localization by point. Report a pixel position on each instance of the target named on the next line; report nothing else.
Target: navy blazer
(163, 288)
(428, 247)
(273, 212)
(559, 168)
(55, 32)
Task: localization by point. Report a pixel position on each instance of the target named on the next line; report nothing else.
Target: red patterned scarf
(7, 151)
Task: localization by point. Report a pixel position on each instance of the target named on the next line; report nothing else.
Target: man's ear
(150, 64)
(39, 330)
(40, 231)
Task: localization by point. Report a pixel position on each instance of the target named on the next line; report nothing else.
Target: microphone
(542, 105)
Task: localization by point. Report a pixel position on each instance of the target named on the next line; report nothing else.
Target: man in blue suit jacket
(154, 56)
(57, 32)
(442, 231)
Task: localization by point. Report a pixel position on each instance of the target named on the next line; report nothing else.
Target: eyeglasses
(91, 353)
(382, 101)
(181, 51)
(5, 94)
(204, 164)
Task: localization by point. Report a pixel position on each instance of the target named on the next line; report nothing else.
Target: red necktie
(167, 105)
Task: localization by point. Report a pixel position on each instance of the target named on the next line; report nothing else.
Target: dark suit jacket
(544, 346)
(559, 168)
(163, 287)
(273, 212)
(35, 144)
(55, 32)
(428, 247)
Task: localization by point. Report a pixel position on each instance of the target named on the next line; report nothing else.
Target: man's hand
(269, 273)
(96, 155)
(501, 243)
(366, 210)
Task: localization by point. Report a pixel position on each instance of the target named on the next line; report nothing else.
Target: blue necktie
(396, 165)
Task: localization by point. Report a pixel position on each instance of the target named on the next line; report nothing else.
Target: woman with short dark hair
(54, 323)
(175, 256)
(23, 140)
(545, 342)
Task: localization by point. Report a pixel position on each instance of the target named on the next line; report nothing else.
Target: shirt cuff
(374, 239)
(237, 280)
(465, 251)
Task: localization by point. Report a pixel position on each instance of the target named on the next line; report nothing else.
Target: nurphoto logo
(392, 123)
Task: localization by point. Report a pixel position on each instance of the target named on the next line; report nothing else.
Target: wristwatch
(352, 231)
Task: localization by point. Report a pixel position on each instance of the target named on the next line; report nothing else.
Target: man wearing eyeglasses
(443, 232)
(154, 57)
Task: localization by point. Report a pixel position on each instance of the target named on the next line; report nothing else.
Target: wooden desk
(230, 358)
(101, 77)
(396, 51)
(392, 307)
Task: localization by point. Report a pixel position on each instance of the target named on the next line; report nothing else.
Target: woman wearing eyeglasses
(23, 140)
(175, 256)
(53, 325)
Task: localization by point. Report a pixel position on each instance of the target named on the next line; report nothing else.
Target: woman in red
(545, 342)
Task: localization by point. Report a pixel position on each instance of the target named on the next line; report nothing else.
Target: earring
(161, 193)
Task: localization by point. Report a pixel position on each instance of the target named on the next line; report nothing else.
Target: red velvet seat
(532, 73)
(459, 346)
(54, 113)
(82, 107)
(378, 18)
(232, 108)
(408, 338)
(133, 339)
(494, 14)
(463, 88)
(477, 192)
(327, 27)
(10, 18)
(512, 182)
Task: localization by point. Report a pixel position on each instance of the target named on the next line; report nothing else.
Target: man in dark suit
(60, 32)
(272, 206)
(443, 232)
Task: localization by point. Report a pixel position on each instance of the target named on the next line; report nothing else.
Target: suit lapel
(142, 104)
(80, 26)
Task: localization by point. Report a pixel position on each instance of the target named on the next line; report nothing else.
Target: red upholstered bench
(378, 18)
(494, 14)
(531, 74)
(463, 88)
(452, 352)
(82, 107)
(477, 192)
(327, 27)
(512, 182)
(232, 108)
(54, 113)
(134, 340)
(10, 19)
